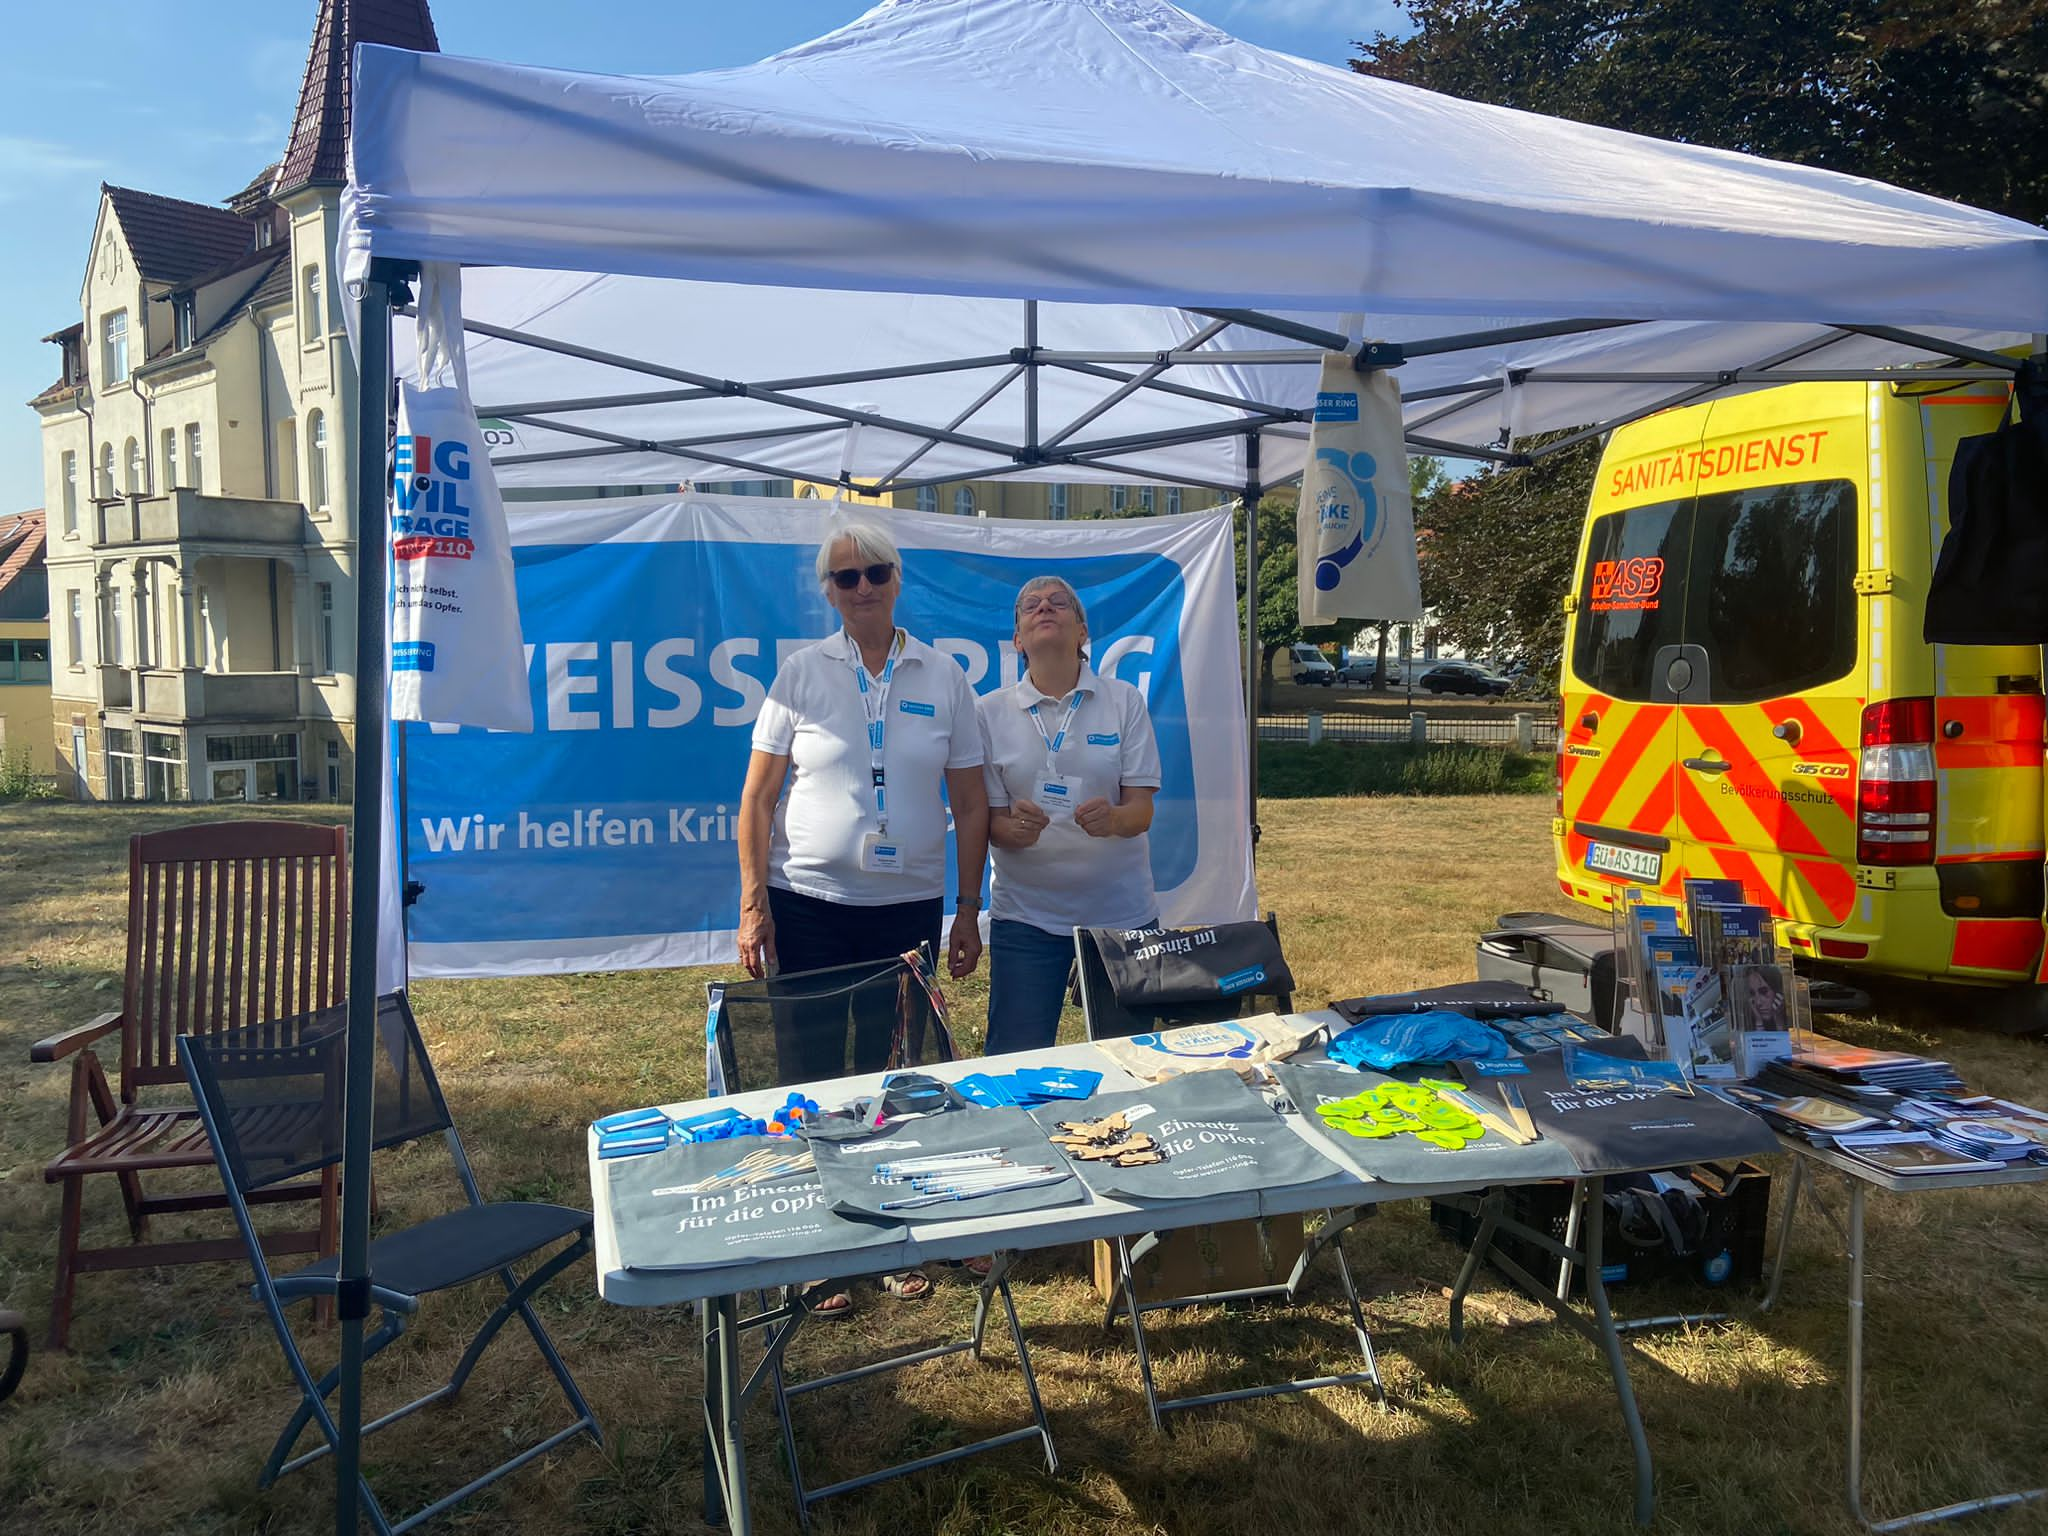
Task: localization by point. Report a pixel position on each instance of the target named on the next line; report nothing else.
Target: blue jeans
(1027, 982)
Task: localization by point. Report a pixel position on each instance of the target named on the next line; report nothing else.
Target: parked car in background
(1462, 677)
(1359, 669)
(1311, 665)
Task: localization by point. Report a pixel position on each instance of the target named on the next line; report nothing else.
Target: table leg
(1794, 1186)
(1595, 1227)
(724, 1412)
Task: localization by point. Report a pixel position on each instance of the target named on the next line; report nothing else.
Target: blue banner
(606, 839)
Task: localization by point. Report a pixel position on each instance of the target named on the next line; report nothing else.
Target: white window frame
(67, 469)
(1119, 498)
(170, 444)
(114, 347)
(106, 473)
(963, 502)
(116, 627)
(137, 468)
(1148, 500)
(927, 498)
(324, 592)
(74, 628)
(316, 460)
(1173, 501)
(311, 328)
(194, 460)
(1056, 501)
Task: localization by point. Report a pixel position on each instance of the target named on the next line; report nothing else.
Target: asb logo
(429, 484)
(1622, 585)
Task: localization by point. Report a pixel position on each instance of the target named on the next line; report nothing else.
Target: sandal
(980, 1267)
(907, 1285)
(833, 1307)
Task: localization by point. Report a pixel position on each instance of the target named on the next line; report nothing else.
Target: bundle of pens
(760, 1167)
(968, 1175)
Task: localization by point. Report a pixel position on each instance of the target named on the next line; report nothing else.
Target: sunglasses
(877, 575)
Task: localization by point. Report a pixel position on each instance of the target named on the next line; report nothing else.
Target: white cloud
(26, 161)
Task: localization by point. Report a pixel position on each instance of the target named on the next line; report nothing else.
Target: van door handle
(1707, 765)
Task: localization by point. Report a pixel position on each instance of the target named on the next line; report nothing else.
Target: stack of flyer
(1715, 995)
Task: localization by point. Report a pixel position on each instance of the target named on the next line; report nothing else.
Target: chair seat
(460, 1246)
(137, 1139)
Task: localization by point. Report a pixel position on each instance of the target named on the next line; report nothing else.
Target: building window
(107, 491)
(1147, 502)
(927, 498)
(316, 460)
(116, 640)
(963, 502)
(333, 769)
(163, 766)
(1173, 501)
(124, 767)
(114, 348)
(170, 458)
(70, 473)
(326, 591)
(310, 327)
(1056, 501)
(1119, 498)
(192, 461)
(264, 235)
(24, 661)
(182, 316)
(74, 628)
(271, 759)
(135, 470)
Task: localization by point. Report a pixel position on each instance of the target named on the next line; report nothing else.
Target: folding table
(1862, 1178)
(728, 1389)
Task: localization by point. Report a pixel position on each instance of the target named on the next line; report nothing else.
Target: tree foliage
(1943, 98)
(1497, 554)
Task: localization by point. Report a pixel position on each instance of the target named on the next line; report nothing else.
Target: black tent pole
(1253, 651)
(372, 486)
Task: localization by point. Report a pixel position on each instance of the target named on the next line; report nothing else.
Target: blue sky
(191, 101)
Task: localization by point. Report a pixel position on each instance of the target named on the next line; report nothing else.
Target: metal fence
(1525, 732)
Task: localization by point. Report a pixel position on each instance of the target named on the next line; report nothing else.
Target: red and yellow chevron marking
(1998, 731)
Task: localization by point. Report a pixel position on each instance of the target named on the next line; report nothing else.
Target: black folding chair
(270, 1096)
(767, 1032)
(1109, 1017)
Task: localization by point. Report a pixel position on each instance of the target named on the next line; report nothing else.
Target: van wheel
(2021, 1010)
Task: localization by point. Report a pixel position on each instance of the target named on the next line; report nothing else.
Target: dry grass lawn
(159, 1419)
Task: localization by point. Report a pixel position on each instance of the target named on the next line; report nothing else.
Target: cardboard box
(1195, 1261)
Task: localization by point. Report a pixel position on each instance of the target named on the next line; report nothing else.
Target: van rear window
(1627, 612)
(1763, 581)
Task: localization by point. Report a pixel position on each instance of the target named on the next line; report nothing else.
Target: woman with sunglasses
(842, 828)
(1072, 768)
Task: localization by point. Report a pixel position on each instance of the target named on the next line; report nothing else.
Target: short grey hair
(869, 542)
(1061, 583)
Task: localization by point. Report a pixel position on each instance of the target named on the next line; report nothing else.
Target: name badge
(881, 855)
(1054, 793)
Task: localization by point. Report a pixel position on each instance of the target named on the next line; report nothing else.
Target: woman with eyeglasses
(842, 829)
(1072, 766)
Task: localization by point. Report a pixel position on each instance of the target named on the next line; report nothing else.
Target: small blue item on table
(1396, 1040)
(712, 1125)
(987, 1091)
(631, 1142)
(1044, 1083)
(631, 1120)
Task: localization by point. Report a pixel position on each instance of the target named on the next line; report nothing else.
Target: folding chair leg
(518, 1292)
(67, 1264)
(312, 1398)
(389, 1329)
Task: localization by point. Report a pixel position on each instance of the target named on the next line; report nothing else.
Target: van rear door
(1771, 680)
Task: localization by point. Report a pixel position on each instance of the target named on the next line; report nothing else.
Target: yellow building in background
(25, 729)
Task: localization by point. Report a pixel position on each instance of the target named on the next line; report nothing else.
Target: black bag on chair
(1988, 587)
(1159, 969)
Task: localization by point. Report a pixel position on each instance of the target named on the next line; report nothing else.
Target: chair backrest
(271, 1093)
(1108, 1019)
(230, 924)
(809, 1026)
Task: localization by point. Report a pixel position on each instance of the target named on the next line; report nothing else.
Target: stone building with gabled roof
(197, 468)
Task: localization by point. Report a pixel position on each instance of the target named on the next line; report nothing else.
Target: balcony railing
(185, 516)
(188, 694)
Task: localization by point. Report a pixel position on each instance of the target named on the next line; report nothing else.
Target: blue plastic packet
(988, 1092)
(1058, 1082)
(631, 1143)
(1401, 1039)
(630, 1120)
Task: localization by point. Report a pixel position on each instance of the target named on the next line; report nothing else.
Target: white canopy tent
(1076, 240)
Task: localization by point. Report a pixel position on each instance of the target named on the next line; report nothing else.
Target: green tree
(1940, 97)
(1497, 554)
(1279, 611)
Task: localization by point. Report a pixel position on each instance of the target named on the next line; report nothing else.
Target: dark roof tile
(172, 239)
(318, 151)
(25, 534)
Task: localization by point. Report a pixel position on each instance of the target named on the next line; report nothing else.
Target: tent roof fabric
(1121, 150)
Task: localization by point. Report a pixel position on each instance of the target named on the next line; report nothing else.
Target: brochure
(1760, 1016)
(1911, 1152)
(1593, 1072)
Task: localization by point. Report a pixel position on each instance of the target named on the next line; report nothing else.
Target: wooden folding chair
(229, 924)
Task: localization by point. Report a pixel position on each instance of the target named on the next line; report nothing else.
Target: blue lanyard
(874, 704)
(1054, 742)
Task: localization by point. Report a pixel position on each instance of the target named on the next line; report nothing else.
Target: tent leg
(1253, 652)
(372, 485)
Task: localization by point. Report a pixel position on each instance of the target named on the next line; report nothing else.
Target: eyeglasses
(877, 575)
(1058, 602)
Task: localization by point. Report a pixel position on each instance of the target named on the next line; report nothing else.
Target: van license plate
(1644, 864)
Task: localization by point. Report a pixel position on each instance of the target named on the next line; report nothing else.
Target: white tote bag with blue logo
(1357, 529)
(456, 655)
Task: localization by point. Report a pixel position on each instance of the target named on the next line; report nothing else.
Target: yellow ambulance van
(1746, 692)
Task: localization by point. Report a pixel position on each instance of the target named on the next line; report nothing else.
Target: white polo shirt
(814, 716)
(1067, 879)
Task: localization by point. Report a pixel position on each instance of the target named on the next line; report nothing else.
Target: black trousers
(812, 934)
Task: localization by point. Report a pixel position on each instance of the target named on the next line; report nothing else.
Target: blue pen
(915, 1201)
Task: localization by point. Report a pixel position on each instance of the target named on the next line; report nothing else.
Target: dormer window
(74, 367)
(181, 313)
(264, 235)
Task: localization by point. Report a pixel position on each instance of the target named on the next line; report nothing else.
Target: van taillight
(1895, 784)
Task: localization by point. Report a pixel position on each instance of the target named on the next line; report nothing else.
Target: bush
(1289, 771)
(20, 781)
